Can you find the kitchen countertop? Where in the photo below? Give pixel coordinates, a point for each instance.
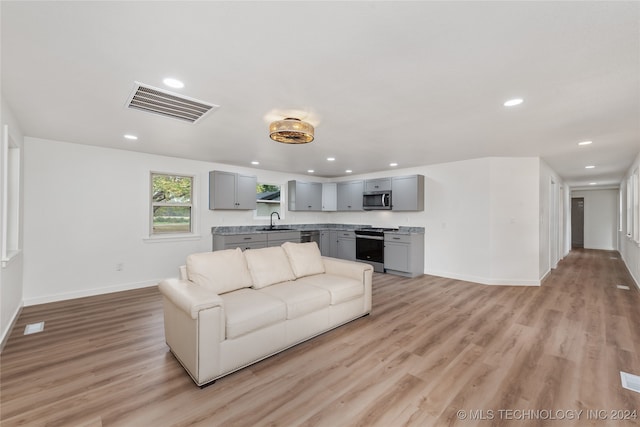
(251, 229)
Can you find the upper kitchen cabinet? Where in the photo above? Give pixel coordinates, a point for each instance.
(228, 190)
(329, 196)
(305, 196)
(350, 195)
(379, 184)
(407, 193)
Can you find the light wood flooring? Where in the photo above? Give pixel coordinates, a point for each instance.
(432, 347)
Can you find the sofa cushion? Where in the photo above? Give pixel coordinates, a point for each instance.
(341, 288)
(300, 298)
(219, 271)
(305, 258)
(247, 310)
(268, 266)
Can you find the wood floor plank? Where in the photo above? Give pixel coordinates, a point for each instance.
(432, 347)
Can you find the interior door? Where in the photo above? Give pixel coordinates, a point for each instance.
(577, 222)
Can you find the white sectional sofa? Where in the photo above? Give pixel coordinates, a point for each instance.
(232, 308)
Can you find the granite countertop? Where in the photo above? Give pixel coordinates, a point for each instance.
(252, 229)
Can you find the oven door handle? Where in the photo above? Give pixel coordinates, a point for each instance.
(359, 236)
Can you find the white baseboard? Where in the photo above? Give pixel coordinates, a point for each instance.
(484, 280)
(89, 292)
(9, 328)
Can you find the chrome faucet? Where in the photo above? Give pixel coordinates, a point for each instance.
(271, 219)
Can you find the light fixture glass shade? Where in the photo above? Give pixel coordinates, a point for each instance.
(291, 131)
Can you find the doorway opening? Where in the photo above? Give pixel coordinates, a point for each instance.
(577, 222)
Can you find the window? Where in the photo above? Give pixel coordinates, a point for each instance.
(10, 197)
(171, 204)
(268, 200)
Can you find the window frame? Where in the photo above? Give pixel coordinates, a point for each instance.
(191, 205)
(282, 201)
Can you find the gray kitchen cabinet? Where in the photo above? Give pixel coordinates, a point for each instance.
(325, 243)
(378, 184)
(346, 245)
(242, 241)
(305, 196)
(254, 240)
(329, 196)
(407, 193)
(279, 237)
(228, 190)
(404, 254)
(329, 243)
(350, 195)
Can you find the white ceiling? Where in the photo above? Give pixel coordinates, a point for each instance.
(415, 83)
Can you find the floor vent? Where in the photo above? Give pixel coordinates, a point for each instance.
(630, 382)
(625, 287)
(34, 328)
(158, 101)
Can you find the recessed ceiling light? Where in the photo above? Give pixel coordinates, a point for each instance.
(330, 159)
(589, 167)
(131, 137)
(513, 102)
(585, 142)
(310, 171)
(255, 162)
(592, 183)
(174, 83)
(393, 164)
(348, 171)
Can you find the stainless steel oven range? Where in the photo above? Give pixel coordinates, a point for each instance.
(370, 246)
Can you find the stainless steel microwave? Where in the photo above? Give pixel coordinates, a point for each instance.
(373, 200)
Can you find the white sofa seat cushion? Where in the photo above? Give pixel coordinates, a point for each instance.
(247, 310)
(305, 258)
(219, 271)
(341, 288)
(268, 266)
(300, 298)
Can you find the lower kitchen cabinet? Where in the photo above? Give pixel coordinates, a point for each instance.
(254, 240)
(404, 254)
(346, 243)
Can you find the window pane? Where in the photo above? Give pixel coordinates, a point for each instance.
(171, 219)
(268, 200)
(171, 189)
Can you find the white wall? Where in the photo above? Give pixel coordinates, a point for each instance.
(481, 219)
(629, 249)
(601, 209)
(86, 211)
(11, 273)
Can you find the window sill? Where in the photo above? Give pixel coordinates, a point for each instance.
(11, 255)
(172, 238)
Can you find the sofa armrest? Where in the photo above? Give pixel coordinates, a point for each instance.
(189, 297)
(360, 271)
(342, 267)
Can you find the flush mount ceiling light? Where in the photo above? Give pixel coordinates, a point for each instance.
(291, 131)
(585, 142)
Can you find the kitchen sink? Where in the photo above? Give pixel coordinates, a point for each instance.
(275, 229)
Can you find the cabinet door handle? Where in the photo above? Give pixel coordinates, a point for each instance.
(395, 238)
(247, 238)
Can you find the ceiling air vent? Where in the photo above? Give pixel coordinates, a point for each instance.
(168, 104)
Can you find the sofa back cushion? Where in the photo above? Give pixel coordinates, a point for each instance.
(305, 258)
(268, 266)
(219, 271)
